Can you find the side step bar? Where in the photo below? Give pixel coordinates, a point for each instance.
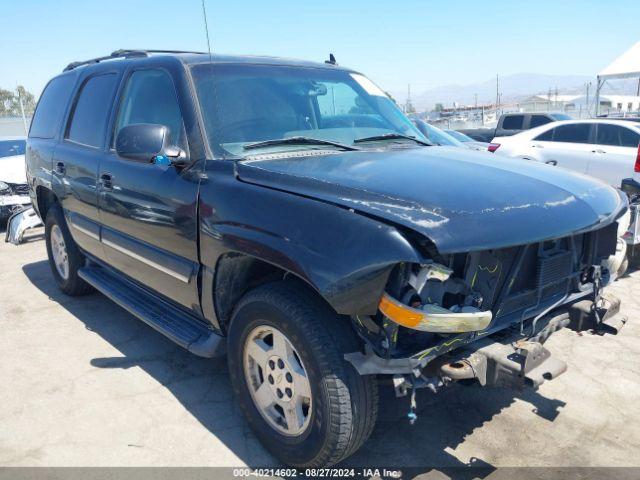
(179, 326)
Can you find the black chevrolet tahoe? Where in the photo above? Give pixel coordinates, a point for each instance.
(286, 214)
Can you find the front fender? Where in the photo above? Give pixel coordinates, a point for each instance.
(343, 255)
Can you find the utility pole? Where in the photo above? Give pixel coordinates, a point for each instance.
(24, 118)
(497, 92)
(588, 85)
(408, 107)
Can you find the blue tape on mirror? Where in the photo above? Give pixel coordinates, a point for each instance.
(161, 160)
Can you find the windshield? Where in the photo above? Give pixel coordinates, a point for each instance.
(245, 104)
(9, 148)
(560, 116)
(435, 135)
(460, 136)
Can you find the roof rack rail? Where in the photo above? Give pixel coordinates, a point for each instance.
(123, 53)
(126, 51)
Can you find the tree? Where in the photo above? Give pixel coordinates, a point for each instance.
(6, 101)
(10, 102)
(439, 107)
(28, 101)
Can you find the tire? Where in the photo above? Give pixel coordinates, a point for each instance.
(343, 404)
(68, 280)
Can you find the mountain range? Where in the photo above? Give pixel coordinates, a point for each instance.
(512, 88)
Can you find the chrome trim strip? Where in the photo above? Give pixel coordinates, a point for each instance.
(85, 231)
(145, 260)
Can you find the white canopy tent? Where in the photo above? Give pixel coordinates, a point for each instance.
(626, 65)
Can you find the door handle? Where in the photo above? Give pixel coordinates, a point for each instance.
(598, 151)
(60, 168)
(552, 162)
(106, 180)
(537, 146)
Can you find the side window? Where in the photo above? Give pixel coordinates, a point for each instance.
(513, 122)
(575, 133)
(546, 136)
(150, 97)
(608, 134)
(51, 107)
(537, 120)
(91, 112)
(629, 138)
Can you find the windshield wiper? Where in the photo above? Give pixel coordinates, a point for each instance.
(392, 136)
(298, 141)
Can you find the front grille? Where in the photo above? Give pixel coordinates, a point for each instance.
(517, 279)
(553, 268)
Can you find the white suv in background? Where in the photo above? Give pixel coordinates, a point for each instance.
(603, 148)
(14, 192)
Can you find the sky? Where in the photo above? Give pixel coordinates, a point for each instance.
(421, 42)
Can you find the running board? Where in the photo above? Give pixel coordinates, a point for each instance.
(179, 326)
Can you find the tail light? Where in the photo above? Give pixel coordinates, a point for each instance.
(494, 146)
(636, 167)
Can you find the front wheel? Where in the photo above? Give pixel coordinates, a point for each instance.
(305, 402)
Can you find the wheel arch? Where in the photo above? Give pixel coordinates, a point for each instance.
(238, 273)
(45, 198)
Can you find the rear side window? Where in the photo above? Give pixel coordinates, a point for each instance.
(513, 122)
(609, 135)
(91, 112)
(51, 107)
(629, 138)
(576, 133)
(538, 120)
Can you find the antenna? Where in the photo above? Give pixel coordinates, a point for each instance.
(206, 28)
(213, 84)
(332, 60)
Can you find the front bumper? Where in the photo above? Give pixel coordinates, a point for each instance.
(503, 358)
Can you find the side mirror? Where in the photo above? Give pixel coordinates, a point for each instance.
(149, 143)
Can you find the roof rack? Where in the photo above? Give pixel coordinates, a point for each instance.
(124, 53)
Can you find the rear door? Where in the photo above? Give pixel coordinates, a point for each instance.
(148, 211)
(566, 146)
(614, 153)
(76, 159)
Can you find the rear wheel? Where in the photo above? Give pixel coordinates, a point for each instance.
(64, 255)
(305, 402)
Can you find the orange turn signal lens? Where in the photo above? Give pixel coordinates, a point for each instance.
(399, 312)
(434, 318)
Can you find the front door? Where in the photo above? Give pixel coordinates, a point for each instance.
(148, 211)
(566, 146)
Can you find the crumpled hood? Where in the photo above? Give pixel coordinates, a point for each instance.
(12, 169)
(462, 200)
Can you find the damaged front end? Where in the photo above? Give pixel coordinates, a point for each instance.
(483, 317)
(13, 197)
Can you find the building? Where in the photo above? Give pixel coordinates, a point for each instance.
(576, 104)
